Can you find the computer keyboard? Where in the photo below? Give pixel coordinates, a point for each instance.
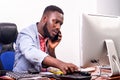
(18, 75)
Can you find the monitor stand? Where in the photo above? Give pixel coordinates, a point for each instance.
(113, 57)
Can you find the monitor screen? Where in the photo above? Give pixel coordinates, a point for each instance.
(94, 30)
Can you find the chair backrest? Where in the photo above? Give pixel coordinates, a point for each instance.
(8, 35)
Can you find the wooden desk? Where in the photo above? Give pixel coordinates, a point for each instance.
(102, 77)
(106, 78)
(9, 78)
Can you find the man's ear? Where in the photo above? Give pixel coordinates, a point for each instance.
(44, 19)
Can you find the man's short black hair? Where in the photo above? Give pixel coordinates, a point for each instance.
(53, 8)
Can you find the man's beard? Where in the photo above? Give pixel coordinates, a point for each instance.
(46, 33)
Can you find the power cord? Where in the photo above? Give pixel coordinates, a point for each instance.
(100, 71)
(98, 64)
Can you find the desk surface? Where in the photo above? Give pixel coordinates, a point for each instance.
(94, 77)
(42, 78)
(97, 78)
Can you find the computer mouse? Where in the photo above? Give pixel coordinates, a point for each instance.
(79, 73)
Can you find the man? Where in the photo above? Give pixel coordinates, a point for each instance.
(35, 45)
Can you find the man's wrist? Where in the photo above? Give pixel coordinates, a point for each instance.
(52, 52)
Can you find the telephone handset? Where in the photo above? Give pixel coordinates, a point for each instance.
(56, 36)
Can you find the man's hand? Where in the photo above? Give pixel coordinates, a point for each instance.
(67, 67)
(53, 44)
(63, 66)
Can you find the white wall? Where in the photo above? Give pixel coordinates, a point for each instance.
(108, 7)
(26, 12)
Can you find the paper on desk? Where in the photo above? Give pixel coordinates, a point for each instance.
(49, 73)
(88, 69)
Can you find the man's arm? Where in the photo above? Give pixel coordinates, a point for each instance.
(52, 52)
(63, 66)
(52, 61)
(53, 44)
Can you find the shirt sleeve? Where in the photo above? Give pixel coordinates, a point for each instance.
(28, 46)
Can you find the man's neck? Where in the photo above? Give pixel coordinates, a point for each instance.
(40, 29)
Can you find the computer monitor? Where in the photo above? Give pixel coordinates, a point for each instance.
(99, 40)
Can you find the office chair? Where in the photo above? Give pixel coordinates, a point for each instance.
(8, 35)
(7, 59)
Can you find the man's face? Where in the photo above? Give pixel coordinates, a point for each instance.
(53, 24)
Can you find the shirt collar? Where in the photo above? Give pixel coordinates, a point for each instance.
(42, 36)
